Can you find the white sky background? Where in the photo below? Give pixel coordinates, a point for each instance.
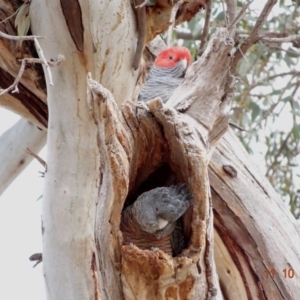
(20, 225)
(20, 230)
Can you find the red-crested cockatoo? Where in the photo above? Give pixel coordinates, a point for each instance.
(166, 74)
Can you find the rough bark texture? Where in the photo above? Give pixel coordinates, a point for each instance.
(122, 148)
(185, 143)
(173, 138)
(70, 200)
(30, 101)
(255, 226)
(101, 157)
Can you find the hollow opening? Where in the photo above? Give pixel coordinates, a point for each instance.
(152, 217)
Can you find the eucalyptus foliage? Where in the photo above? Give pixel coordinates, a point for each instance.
(266, 100)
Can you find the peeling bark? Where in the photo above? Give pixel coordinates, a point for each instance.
(33, 81)
(169, 137)
(72, 13)
(73, 183)
(253, 223)
(102, 155)
(185, 141)
(191, 165)
(30, 102)
(24, 103)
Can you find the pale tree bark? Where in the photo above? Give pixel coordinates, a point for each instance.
(14, 157)
(260, 234)
(71, 196)
(100, 153)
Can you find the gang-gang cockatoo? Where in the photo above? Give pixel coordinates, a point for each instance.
(152, 221)
(166, 74)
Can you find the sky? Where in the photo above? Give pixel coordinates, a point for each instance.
(20, 230)
(20, 226)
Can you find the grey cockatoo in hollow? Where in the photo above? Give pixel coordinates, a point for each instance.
(152, 220)
(166, 74)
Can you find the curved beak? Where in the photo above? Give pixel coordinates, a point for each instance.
(183, 66)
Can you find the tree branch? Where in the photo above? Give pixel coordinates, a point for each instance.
(20, 38)
(254, 35)
(205, 31)
(24, 61)
(253, 204)
(260, 22)
(231, 11)
(187, 35)
(172, 21)
(39, 159)
(13, 144)
(12, 15)
(239, 16)
(141, 24)
(288, 39)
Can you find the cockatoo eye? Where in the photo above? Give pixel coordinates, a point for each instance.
(170, 57)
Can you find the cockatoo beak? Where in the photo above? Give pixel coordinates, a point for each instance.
(162, 223)
(183, 63)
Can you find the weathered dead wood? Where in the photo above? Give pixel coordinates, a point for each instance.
(123, 142)
(135, 143)
(205, 81)
(186, 146)
(258, 231)
(113, 143)
(181, 276)
(33, 86)
(30, 102)
(127, 147)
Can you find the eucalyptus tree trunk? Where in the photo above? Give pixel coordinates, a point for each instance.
(102, 146)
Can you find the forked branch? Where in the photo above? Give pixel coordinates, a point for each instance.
(14, 87)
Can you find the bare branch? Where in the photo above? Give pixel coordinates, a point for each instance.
(254, 35)
(261, 20)
(140, 5)
(14, 86)
(275, 47)
(239, 16)
(231, 10)
(187, 35)
(205, 29)
(269, 78)
(39, 159)
(38, 257)
(234, 125)
(41, 55)
(24, 61)
(6, 19)
(288, 39)
(172, 21)
(20, 38)
(141, 22)
(224, 10)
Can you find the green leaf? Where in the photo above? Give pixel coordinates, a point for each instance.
(22, 21)
(39, 198)
(220, 16)
(288, 60)
(255, 110)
